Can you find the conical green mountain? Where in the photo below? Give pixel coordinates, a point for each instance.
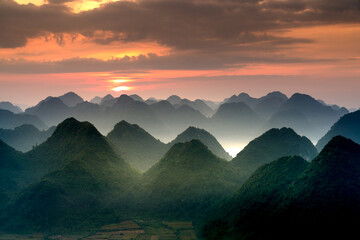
(136, 146)
(272, 145)
(78, 175)
(348, 126)
(327, 193)
(205, 137)
(322, 201)
(256, 197)
(188, 180)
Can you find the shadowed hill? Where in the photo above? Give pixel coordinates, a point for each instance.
(136, 146)
(78, 175)
(188, 180)
(348, 126)
(323, 200)
(272, 145)
(205, 137)
(25, 137)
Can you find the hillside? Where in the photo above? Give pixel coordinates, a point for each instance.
(25, 137)
(348, 126)
(205, 137)
(78, 175)
(136, 146)
(195, 180)
(272, 145)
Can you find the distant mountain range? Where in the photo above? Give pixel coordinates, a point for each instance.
(25, 137)
(10, 107)
(239, 118)
(10, 120)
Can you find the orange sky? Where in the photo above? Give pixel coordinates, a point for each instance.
(320, 57)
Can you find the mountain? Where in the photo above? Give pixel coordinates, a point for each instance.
(25, 137)
(136, 112)
(234, 218)
(96, 100)
(136, 146)
(77, 174)
(9, 120)
(71, 99)
(323, 200)
(197, 105)
(244, 98)
(270, 104)
(177, 119)
(136, 97)
(10, 107)
(272, 145)
(173, 99)
(315, 114)
(9, 173)
(205, 137)
(235, 120)
(108, 100)
(187, 181)
(52, 110)
(151, 100)
(348, 126)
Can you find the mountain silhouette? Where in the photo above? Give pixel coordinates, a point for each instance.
(52, 110)
(348, 126)
(272, 145)
(10, 172)
(173, 99)
(205, 137)
(317, 115)
(270, 104)
(197, 105)
(10, 107)
(323, 200)
(136, 146)
(77, 173)
(9, 120)
(25, 137)
(188, 180)
(240, 217)
(71, 99)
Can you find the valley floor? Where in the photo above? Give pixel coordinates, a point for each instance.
(130, 229)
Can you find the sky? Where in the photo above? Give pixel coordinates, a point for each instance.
(207, 49)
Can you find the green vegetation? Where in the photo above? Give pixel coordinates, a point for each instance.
(205, 137)
(188, 180)
(76, 174)
(25, 137)
(272, 145)
(289, 198)
(348, 126)
(136, 146)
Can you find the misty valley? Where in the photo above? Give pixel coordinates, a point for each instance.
(129, 168)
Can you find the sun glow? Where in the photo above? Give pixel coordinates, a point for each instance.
(121, 88)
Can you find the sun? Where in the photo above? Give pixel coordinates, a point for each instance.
(121, 88)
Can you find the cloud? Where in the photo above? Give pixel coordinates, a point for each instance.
(142, 63)
(180, 24)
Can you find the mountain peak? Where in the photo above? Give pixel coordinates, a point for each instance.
(71, 99)
(338, 151)
(73, 127)
(174, 99)
(205, 137)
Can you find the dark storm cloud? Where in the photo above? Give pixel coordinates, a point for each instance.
(181, 24)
